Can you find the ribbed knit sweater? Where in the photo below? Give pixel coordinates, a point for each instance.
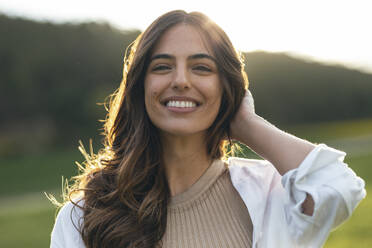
(210, 213)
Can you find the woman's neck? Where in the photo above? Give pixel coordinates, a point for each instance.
(185, 160)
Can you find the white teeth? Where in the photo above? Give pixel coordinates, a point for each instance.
(181, 104)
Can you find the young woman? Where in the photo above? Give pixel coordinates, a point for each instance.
(163, 180)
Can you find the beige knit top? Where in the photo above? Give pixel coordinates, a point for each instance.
(210, 213)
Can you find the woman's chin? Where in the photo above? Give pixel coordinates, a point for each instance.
(182, 132)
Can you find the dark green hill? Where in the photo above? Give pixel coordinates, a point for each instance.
(289, 90)
(52, 76)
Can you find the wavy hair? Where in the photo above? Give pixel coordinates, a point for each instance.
(124, 189)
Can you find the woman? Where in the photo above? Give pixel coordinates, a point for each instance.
(162, 181)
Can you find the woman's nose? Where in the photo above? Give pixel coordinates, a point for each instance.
(181, 79)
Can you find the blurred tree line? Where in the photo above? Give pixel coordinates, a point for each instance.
(53, 75)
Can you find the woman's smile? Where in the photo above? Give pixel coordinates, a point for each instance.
(181, 107)
(181, 104)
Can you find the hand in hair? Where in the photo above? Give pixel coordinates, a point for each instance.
(245, 113)
(283, 150)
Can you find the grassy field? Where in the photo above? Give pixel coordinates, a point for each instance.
(26, 216)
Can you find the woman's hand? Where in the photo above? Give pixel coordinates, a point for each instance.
(245, 113)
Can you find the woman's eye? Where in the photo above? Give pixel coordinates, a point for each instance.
(161, 68)
(202, 68)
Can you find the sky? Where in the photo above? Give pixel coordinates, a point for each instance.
(335, 32)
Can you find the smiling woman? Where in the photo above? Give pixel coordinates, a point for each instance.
(163, 179)
(182, 86)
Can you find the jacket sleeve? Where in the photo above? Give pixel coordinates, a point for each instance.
(66, 228)
(334, 187)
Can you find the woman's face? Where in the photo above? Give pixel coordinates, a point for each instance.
(182, 85)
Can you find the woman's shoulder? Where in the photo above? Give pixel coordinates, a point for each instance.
(67, 226)
(252, 170)
(72, 209)
(250, 166)
(247, 162)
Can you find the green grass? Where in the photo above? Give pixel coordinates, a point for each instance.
(26, 224)
(325, 131)
(36, 172)
(26, 216)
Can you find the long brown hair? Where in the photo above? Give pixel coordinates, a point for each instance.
(124, 188)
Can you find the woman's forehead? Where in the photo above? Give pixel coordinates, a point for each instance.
(182, 39)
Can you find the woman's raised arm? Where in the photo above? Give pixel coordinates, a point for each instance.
(321, 190)
(282, 149)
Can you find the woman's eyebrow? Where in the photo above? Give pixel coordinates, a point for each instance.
(202, 56)
(162, 56)
(194, 56)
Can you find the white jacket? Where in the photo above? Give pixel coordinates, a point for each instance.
(273, 201)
